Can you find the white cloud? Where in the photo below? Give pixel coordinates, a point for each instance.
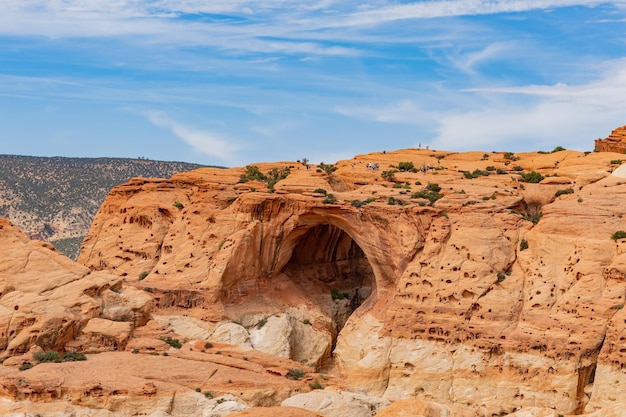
(208, 143)
(570, 115)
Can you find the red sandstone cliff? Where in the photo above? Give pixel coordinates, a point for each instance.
(616, 142)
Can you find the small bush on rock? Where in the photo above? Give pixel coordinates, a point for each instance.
(296, 373)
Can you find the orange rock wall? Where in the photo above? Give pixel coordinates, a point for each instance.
(461, 312)
(616, 142)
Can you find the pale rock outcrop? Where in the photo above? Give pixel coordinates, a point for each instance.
(416, 408)
(276, 412)
(272, 335)
(332, 403)
(187, 327)
(232, 334)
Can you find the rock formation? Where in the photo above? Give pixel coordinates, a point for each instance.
(616, 142)
(463, 288)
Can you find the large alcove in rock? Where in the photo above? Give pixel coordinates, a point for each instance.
(332, 268)
(321, 278)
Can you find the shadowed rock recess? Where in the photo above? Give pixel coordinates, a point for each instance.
(487, 285)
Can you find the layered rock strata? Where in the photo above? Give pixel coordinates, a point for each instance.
(615, 142)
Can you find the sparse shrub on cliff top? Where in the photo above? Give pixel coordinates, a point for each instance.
(532, 177)
(25, 366)
(407, 167)
(330, 199)
(361, 203)
(316, 385)
(296, 373)
(49, 356)
(564, 191)
(175, 343)
(510, 156)
(327, 168)
(434, 187)
(261, 323)
(616, 162)
(620, 234)
(388, 175)
(523, 245)
(73, 357)
(252, 173)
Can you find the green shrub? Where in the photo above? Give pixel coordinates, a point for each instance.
(558, 149)
(501, 277)
(296, 373)
(143, 275)
(175, 343)
(320, 191)
(49, 356)
(306, 321)
(485, 157)
(564, 191)
(330, 199)
(316, 385)
(252, 173)
(208, 394)
(73, 357)
(407, 167)
(510, 156)
(517, 168)
(335, 294)
(261, 323)
(25, 366)
(329, 169)
(208, 345)
(178, 205)
(490, 168)
(360, 203)
(428, 195)
(388, 175)
(396, 201)
(616, 162)
(434, 187)
(620, 234)
(532, 177)
(523, 245)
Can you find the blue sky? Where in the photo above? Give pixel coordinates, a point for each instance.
(231, 82)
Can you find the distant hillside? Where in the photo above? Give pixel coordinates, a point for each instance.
(55, 199)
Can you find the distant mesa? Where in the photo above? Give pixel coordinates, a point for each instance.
(616, 142)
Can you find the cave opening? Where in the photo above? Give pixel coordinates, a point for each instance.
(331, 270)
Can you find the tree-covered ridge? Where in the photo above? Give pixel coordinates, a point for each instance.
(55, 198)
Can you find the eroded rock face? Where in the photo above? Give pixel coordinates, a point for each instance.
(49, 301)
(465, 302)
(499, 296)
(615, 142)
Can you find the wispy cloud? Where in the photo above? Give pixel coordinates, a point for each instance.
(449, 8)
(208, 143)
